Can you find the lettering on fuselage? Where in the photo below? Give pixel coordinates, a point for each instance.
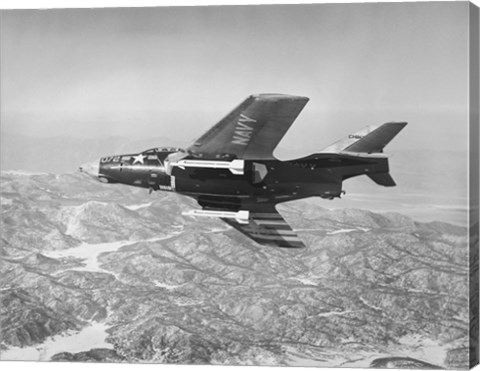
(355, 136)
(165, 188)
(305, 165)
(104, 160)
(243, 131)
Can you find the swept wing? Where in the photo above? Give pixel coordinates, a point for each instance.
(252, 130)
(267, 227)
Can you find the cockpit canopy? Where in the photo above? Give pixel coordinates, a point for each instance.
(162, 149)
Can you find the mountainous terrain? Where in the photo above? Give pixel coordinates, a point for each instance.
(151, 285)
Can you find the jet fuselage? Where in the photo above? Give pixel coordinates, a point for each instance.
(262, 181)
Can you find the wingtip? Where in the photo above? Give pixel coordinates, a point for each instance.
(397, 123)
(278, 96)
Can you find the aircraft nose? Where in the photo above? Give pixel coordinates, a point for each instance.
(90, 168)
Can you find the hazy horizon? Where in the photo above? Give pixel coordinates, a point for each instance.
(142, 72)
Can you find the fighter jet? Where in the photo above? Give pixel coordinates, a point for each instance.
(232, 173)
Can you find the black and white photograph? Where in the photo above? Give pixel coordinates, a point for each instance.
(253, 185)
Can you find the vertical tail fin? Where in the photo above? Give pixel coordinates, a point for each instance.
(371, 139)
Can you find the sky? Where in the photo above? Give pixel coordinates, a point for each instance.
(174, 72)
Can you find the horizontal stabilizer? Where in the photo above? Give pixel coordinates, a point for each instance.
(384, 179)
(371, 139)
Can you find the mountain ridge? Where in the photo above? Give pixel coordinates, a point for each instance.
(174, 289)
